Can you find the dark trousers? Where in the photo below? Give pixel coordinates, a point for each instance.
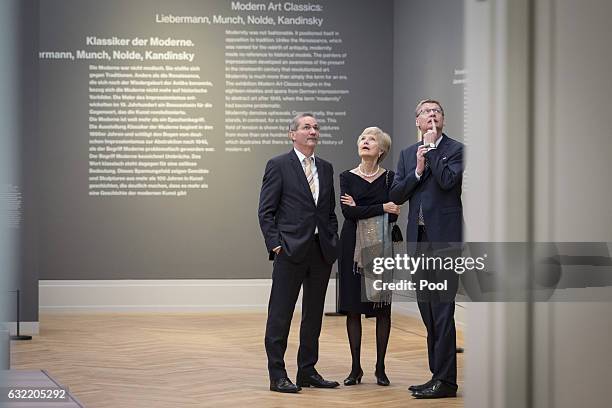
(438, 314)
(287, 277)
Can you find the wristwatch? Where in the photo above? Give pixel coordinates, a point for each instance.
(431, 145)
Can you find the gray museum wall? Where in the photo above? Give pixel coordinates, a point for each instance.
(397, 58)
(211, 233)
(428, 63)
(19, 158)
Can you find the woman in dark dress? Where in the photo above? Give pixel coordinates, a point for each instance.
(364, 193)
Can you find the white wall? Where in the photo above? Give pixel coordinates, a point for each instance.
(548, 354)
(574, 194)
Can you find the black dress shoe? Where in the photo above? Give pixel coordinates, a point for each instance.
(421, 387)
(284, 385)
(353, 379)
(315, 380)
(437, 390)
(382, 379)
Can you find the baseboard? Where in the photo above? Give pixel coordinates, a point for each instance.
(179, 295)
(172, 295)
(25, 328)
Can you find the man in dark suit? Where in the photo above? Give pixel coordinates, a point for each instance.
(298, 221)
(429, 175)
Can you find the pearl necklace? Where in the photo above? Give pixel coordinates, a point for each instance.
(368, 175)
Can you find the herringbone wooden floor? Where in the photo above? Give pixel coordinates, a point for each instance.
(214, 360)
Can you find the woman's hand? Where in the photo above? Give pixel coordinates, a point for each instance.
(391, 208)
(347, 200)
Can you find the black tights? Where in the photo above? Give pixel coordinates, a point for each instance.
(383, 328)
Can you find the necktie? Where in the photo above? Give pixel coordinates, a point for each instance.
(309, 175)
(421, 220)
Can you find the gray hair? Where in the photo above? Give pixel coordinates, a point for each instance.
(383, 139)
(295, 122)
(424, 101)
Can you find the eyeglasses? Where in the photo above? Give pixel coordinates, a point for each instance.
(428, 111)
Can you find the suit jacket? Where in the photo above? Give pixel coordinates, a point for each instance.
(287, 211)
(438, 191)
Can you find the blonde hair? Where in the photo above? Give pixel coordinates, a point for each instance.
(383, 139)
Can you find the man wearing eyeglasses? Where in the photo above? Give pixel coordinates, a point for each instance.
(429, 176)
(297, 218)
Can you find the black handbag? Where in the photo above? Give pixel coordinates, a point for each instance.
(396, 232)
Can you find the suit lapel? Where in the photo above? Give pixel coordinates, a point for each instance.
(442, 152)
(299, 172)
(322, 172)
(443, 145)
